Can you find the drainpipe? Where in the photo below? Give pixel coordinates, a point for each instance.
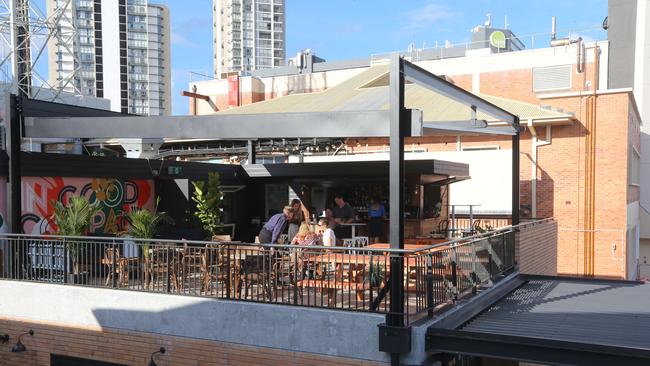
(536, 142)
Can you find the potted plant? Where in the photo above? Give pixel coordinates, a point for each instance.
(144, 224)
(207, 198)
(74, 220)
(375, 274)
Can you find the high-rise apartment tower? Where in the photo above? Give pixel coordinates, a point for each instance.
(120, 51)
(248, 35)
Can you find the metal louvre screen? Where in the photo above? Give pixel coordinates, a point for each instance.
(552, 78)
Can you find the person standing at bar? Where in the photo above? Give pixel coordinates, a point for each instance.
(376, 214)
(275, 226)
(300, 215)
(343, 214)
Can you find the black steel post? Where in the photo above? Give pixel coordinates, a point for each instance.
(15, 137)
(251, 152)
(429, 291)
(515, 175)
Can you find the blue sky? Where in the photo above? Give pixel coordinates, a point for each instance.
(343, 29)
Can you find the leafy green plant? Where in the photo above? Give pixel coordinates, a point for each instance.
(208, 199)
(144, 224)
(376, 273)
(73, 220)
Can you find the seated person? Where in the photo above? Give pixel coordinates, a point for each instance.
(305, 236)
(328, 238)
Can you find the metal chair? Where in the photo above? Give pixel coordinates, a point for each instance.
(361, 241)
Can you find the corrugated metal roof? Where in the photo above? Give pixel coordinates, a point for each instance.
(367, 91)
(594, 312)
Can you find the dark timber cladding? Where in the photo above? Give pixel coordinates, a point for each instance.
(558, 321)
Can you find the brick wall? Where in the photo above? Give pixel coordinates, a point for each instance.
(536, 249)
(134, 348)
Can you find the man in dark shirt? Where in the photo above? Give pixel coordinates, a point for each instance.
(343, 214)
(275, 226)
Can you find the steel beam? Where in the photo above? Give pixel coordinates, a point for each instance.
(432, 82)
(342, 124)
(464, 127)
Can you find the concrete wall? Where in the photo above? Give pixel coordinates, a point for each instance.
(621, 35)
(319, 331)
(644, 259)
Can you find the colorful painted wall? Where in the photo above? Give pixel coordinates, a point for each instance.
(112, 197)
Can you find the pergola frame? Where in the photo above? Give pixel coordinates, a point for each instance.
(396, 123)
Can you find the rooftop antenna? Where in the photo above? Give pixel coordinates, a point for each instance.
(505, 22)
(488, 22)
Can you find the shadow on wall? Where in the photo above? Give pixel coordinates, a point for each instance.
(545, 193)
(294, 329)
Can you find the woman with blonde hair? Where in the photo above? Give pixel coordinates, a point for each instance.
(304, 236)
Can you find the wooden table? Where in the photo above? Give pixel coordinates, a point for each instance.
(425, 241)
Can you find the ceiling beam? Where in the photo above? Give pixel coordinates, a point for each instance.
(340, 124)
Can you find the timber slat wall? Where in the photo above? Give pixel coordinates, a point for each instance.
(134, 348)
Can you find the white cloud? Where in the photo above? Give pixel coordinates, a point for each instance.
(427, 16)
(178, 39)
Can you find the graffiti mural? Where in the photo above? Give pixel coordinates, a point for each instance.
(111, 197)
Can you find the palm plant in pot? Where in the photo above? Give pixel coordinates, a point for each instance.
(143, 225)
(74, 220)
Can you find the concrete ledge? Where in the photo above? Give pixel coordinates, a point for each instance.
(301, 329)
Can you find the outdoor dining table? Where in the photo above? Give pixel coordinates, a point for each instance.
(356, 270)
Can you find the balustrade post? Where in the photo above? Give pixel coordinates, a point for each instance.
(114, 266)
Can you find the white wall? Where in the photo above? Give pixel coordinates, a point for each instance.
(111, 53)
(642, 97)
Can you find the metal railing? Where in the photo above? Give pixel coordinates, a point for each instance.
(446, 49)
(346, 278)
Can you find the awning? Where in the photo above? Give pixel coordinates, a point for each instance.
(552, 320)
(442, 170)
